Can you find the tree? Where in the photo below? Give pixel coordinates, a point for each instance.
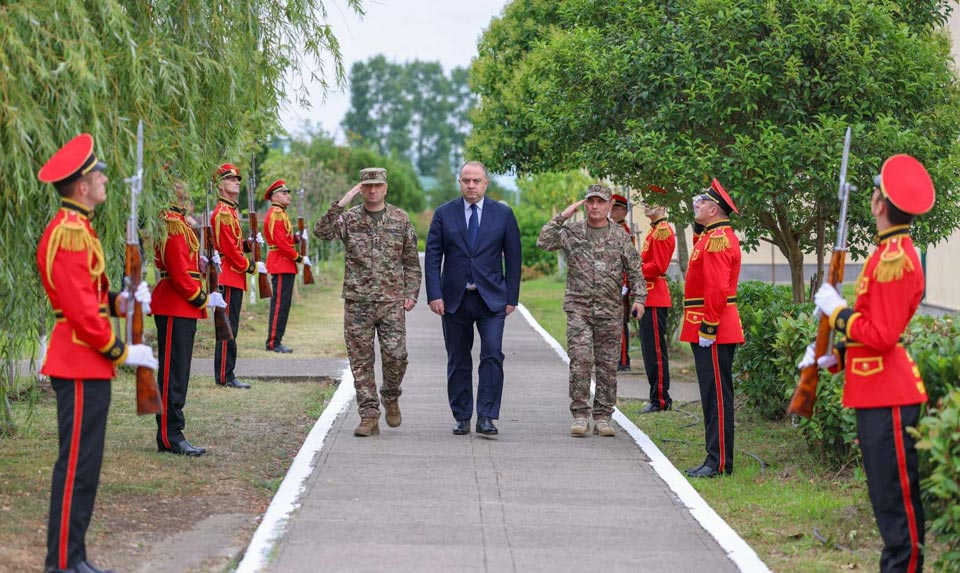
(205, 77)
(756, 93)
(412, 110)
(330, 170)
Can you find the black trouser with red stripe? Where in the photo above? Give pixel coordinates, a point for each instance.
(175, 352)
(82, 407)
(625, 341)
(653, 343)
(279, 307)
(225, 353)
(715, 375)
(890, 462)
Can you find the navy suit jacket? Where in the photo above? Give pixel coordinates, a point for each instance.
(495, 263)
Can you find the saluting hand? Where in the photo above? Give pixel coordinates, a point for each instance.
(350, 195)
(569, 211)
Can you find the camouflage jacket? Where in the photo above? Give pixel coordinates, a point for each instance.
(381, 261)
(595, 269)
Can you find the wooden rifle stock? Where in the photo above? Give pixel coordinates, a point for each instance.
(220, 322)
(148, 395)
(805, 394)
(302, 249)
(263, 281)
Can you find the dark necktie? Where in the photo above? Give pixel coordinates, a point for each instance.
(473, 228)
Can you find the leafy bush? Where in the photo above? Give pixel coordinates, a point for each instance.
(934, 344)
(939, 443)
(530, 220)
(762, 374)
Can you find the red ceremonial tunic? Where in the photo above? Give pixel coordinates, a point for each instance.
(228, 240)
(710, 294)
(879, 371)
(656, 253)
(282, 255)
(179, 291)
(71, 265)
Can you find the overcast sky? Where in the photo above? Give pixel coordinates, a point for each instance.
(403, 30)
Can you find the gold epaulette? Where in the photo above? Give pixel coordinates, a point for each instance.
(228, 218)
(718, 241)
(73, 236)
(662, 232)
(177, 226)
(893, 262)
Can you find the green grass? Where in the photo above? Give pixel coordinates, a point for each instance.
(544, 298)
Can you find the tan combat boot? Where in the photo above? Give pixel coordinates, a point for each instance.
(368, 427)
(392, 411)
(580, 427)
(603, 428)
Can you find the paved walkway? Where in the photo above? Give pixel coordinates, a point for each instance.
(417, 498)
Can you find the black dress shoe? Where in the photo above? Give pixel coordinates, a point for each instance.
(653, 407)
(280, 349)
(623, 368)
(87, 567)
(703, 471)
(182, 448)
(462, 428)
(485, 426)
(236, 384)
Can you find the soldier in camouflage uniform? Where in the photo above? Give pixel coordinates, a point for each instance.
(598, 253)
(381, 282)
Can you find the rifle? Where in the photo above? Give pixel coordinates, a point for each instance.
(220, 322)
(148, 395)
(263, 281)
(805, 395)
(302, 247)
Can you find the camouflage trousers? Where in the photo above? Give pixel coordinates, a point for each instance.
(593, 344)
(361, 320)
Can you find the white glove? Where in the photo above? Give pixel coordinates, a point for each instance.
(827, 362)
(216, 258)
(304, 238)
(143, 296)
(215, 300)
(828, 300)
(141, 355)
(808, 358)
(260, 238)
(707, 342)
(624, 290)
(306, 261)
(204, 262)
(262, 268)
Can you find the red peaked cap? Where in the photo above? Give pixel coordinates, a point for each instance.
(619, 200)
(228, 170)
(72, 161)
(904, 181)
(275, 186)
(720, 195)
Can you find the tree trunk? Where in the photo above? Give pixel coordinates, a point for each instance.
(683, 251)
(795, 258)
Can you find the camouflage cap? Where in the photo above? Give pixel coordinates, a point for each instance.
(598, 191)
(373, 176)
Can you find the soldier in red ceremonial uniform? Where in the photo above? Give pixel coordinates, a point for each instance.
(83, 350)
(618, 214)
(881, 381)
(656, 253)
(711, 323)
(228, 240)
(179, 299)
(282, 259)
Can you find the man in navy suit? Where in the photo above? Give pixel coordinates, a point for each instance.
(472, 269)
